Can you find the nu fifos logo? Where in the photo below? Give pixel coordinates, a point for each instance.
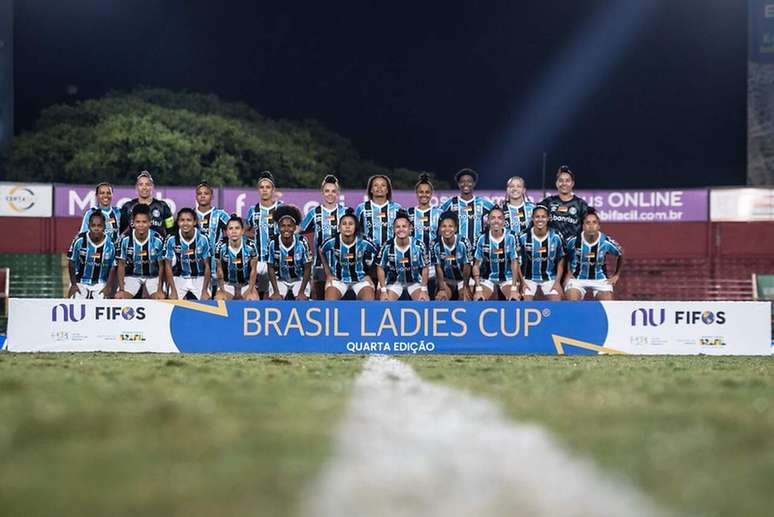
(657, 317)
(73, 312)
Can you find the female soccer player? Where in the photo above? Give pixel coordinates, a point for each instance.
(212, 224)
(141, 259)
(542, 253)
(586, 254)
(565, 209)
(375, 217)
(517, 210)
(402, 264)
(161, 218)
(323, 221)
(470, 208)
(262, 226)
(91, 258)
(236, 258)
(346, 259)
(187, 259)
(452, 256)
(424, 217)
(496, 261)
(111, 213)
(290, 261)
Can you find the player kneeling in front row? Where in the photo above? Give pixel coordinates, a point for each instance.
(236, 261)
(91, 258)
(586, 254)
(542, 253)
(402, 264)
(452, 256)
(290, 261)
(187, 259)
(346, 260)
(496, 261)
(141, 259)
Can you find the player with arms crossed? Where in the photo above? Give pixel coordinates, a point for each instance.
(496, 259)
(161, 218)
(517, 210)
(470, 209)
(112, 214)
(346, 259)
(586, 254)
(212, 224)
(236, 261)
(323, 222)
(565, 209)
(375, 217)
(452, 256)
(141, 259)
(262, 226)
(290, 261)
(402, 264)
(91, 258)
(187, 259)
(542, 253)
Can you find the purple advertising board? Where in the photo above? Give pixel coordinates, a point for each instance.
(629, 206)
(652, 206)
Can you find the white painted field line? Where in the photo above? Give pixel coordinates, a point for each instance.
(410, 448)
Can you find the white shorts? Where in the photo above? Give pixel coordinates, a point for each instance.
(189, 285)
(531, 287)
(356, 287)
(89, 292)
(229, 288)
(133, 284)
(490, 284)
(398, 288)
(294, 287)
(596, 286)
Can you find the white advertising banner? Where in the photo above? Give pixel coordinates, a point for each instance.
(742, 204)
(26, 200)
(562, 328)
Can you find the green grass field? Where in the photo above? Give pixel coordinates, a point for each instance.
(109, 434)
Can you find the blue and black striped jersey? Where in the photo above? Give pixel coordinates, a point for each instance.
(112, 219)
(261, 218)
(452, 259)
(470, 214)
(187, 258)
(289, 262)
(323, 222)
(141, 257)
(540, 257)
(517, 218)
(496, 256)
(402, 265)
(349, 263)
(212, 224)
(376, 221)
(587, 259)
(425, 224)
(236, 262)
(92, 261)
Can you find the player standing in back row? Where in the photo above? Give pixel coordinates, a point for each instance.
(161, 218)
(376, 216)
(566, 210)
(262, 227)
(470, 209)
(212, 223)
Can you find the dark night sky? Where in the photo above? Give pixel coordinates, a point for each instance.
(428, 85)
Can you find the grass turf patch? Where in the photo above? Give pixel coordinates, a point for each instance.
(696, 433)
(124, 434)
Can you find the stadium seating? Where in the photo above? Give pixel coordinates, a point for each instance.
(34, 275)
